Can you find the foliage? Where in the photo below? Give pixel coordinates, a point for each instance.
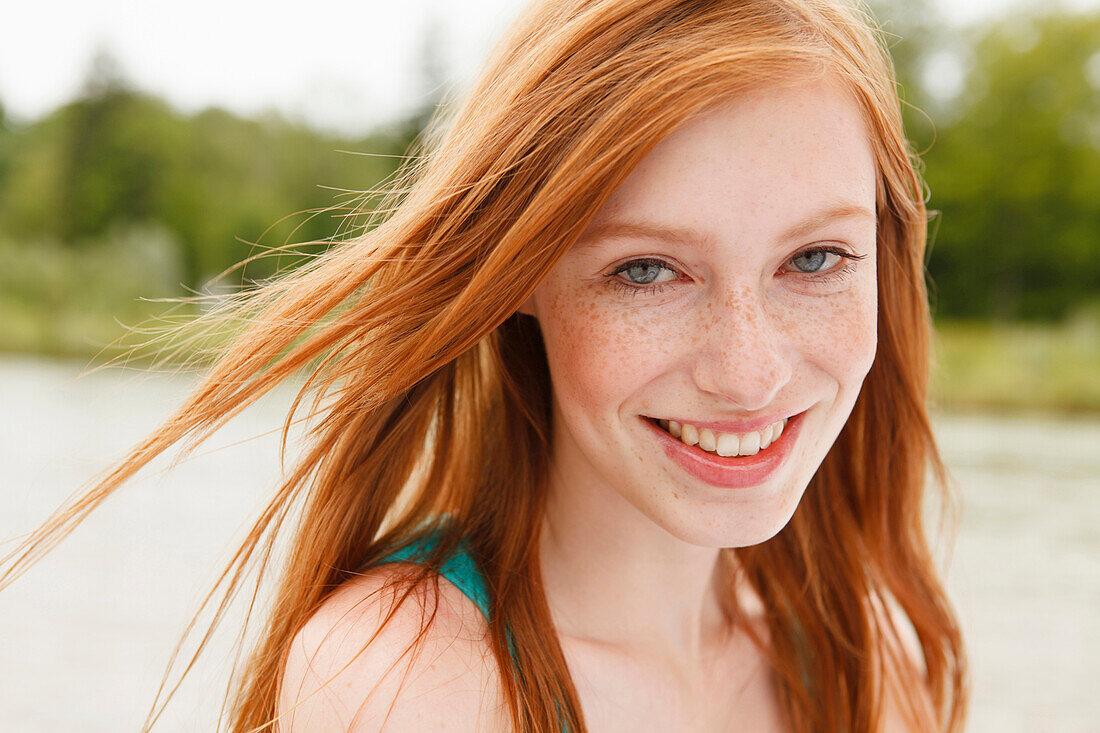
(1012, 162)
(1016, 173)
(220, 184)
(60, 299)
(915, 31)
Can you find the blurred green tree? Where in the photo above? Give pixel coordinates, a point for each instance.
(916, 32)
(1017, 172)
(6, 142)
(1014, 169)
(118, 143)
(222, 185)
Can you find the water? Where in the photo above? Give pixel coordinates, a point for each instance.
(85, 636)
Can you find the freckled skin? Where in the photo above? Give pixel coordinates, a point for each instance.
(740, 331)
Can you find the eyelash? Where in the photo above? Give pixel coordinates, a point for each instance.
(843, 271)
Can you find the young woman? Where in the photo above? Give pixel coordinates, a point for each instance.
(619, 418)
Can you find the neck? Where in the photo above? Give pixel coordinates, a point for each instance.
(613, 576)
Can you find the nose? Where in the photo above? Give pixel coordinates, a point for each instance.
(744, 359)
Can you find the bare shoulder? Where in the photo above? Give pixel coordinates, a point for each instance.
(429, 667)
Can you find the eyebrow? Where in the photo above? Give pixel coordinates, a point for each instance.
(619, 228)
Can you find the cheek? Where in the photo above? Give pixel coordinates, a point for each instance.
(843, 336)
(598, 354)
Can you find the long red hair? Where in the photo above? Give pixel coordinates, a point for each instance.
(427, 395)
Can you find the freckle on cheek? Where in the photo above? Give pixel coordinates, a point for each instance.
(591, 343)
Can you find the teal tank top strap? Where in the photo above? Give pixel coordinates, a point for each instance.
(460, 568)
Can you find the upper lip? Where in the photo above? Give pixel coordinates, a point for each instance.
(730, 426)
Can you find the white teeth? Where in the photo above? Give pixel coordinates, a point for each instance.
(750, 444)
(707, 441)
(728, 444)
(725, 444)
(772, 436)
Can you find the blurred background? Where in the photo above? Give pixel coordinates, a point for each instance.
(146, 148)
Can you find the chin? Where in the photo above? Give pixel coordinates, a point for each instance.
(731, 526)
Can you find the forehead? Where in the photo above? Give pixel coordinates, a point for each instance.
(754, 165)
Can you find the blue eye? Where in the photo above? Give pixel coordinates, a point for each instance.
(645, 275)
(814, 258)
(810, 263)
(650, 276)
(645, 272)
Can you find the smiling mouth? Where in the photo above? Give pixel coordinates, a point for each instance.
(726, 445)
(749, 466)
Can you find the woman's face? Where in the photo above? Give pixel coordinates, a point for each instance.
(718, 289)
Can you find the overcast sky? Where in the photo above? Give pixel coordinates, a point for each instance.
(337, 64)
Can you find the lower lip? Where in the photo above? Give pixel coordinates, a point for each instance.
(735, 472)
